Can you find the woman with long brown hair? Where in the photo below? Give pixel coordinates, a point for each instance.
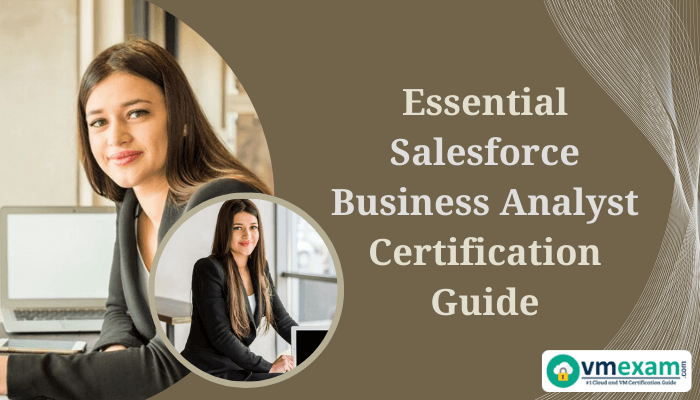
(232, 291)
(146, 144)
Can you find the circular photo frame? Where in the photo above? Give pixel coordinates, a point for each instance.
(297, 240)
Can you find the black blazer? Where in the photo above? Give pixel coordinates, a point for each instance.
(147, 367)
(212, 346)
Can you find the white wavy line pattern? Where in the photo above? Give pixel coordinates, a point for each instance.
(642, 54)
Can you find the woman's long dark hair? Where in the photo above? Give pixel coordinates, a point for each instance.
(221, 249)
(195, 154)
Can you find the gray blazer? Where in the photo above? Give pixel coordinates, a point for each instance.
(146, 367)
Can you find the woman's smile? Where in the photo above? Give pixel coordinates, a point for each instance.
(125, 157)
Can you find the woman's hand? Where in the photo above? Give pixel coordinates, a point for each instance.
(114, 347)
(282, 364)
(3, 375)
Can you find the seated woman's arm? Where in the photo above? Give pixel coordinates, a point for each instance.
(135, 373)
(283, 323)
(118, 327)
(139, 372)
(209, 297)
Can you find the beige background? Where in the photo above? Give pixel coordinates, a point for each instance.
(327, 84)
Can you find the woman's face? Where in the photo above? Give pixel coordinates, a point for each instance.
(128, 129)
(245, 234)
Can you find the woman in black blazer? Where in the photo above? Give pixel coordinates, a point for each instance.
(231, 291)
(144, 143)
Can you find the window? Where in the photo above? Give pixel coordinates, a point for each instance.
(306, 278)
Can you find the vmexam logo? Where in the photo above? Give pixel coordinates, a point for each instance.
(563, 370)
(617, 370)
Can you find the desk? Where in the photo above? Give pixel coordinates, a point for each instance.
(173, 312)
(89, 338)
(170, 311)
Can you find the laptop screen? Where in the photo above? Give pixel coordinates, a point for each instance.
(307, 341)
(59, 256)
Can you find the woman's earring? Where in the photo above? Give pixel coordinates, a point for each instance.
(184, 130)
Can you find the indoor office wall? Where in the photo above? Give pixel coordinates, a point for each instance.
(38, 77)
(205, 71)
(192, 241)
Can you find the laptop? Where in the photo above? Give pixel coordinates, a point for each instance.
(54, 267)
(305, 340)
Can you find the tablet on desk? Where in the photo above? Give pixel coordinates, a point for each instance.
(41, 346)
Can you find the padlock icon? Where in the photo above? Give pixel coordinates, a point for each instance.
(563, 375)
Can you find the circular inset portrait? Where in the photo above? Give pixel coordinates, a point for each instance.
(246, 290)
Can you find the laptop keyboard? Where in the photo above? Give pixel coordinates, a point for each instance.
(59, 314)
